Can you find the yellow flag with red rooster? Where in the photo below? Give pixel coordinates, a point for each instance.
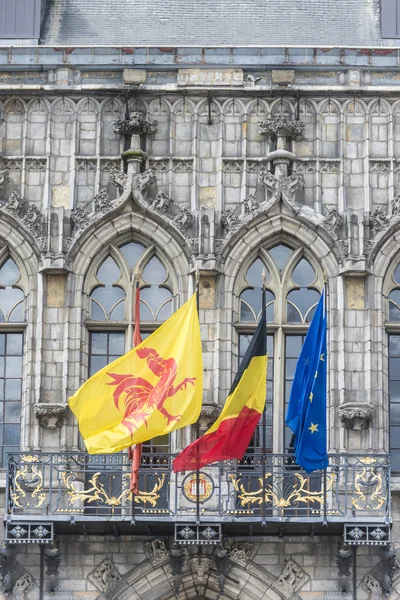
(153, 389)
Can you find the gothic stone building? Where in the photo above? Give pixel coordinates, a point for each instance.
(162, 139)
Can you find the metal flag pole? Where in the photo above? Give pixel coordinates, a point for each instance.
(264, 416)
(198, 420)
(135, 339)
(325, 518)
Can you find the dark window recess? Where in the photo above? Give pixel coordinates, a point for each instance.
(390, 18)
(20, 18)
(394, 401)
(11, 345)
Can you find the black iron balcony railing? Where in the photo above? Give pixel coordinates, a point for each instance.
(62, 486)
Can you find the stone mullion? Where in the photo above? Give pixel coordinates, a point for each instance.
(337, 337)
(278, 392)
(391, 159)
(342, 126)
(24, 143)
(244, 154)
(38, 361)
(196, 140)
(366, 158)
(317, 147)
(98, 155)
(46, 190)
(219, 163)
(72, 173)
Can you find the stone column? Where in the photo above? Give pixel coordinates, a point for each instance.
(134, 125)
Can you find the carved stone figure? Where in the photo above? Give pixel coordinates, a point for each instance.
(292, 577)
(51, 416)
(102, 202)
(23, 584)
(241, 552)
(344, 559)
(333, 222)
(250, 206)
(372, 586)
(161, 203)
(33, 220)
(356, 417)
(176, 563)
(230, 220)
(106, 578)
(183, 220)
(118, 178)
(379, 221)
(79, 219)
(268, 180)
(156, 551)
(4, 176)
(52, 559)
(290, 184)
(16, 205)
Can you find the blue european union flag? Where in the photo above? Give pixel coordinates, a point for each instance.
(306, 413)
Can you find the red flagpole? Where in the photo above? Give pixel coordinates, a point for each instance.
(135, 452)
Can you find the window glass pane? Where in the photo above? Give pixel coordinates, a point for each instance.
(108, 296)
(394, 368)
(254, 273)
(293, 345)
(154, 272)
(9, 273)
(11, 435)
(117, 313)
(394, 345)
(14, 366)
(13, 412)
(394, 401)
(9, 299)
(105, 348)
(280, 255)
(165, 312)
(154, 297)
(132, 252)
(3, 343)
(303, 300)
(108, 272)
(13, 389)
(303, 274)
(14, 344)
(394, 311)
(2, 366)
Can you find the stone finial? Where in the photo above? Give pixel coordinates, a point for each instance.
(281, 126)
(133, 124)
(356, 416)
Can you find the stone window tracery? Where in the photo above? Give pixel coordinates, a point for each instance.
(393, 329)
(293, 288)
(111, 304)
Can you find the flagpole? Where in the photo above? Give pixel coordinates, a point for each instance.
(135, 454)
(264, 416)
(325, 518)
(198, 420)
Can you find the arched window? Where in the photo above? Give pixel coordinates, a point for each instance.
(393, 327)
(293, 291)
(111, 317)
(11, 353)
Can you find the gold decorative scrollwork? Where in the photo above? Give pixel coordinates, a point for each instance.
(98, 493)
(372, 498)
(271, 491)
(368, 460)
(28, 476)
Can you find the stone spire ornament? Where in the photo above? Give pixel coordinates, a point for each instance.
(134, 124)
(283, 130)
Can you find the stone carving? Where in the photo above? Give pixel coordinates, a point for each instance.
(52, 559)
(333, 222)
(8, 571)
(51, 416)
(176, 563)
(344, 248)
(379, 222)
(233, 166)
(36, 165)
(161, 166)
(161, 203)
(250, 206)
(28, 214)
(183, 220)
(356, 417)
(223, 564)
(230, 220)
(183, 166)
(4, 176)
(395, 206)
(281, 126)
(106, 578)
(292, 577)
(386, 570)
(143, 180)
(344, 559)
(372, 587)
(200, 566)
(380, 167)
(21, 587)
(118, 178)
(241, 552)
(156, 551)
(79, 219)
(270, 181)
(134, 123)
(290, 184)
(102, 202)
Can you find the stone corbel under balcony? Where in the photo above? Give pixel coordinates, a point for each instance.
(51, 416)
(356, 416)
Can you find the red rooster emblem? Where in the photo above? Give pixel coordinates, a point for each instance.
(141, 398)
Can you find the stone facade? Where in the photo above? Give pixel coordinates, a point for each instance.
(208, 167)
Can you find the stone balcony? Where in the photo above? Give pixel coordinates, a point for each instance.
(76, 492)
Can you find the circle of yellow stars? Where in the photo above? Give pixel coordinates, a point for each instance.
(314, 427)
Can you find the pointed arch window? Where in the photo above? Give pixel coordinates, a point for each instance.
(12, 317)
(294, 286)
(111, 294)
(393, 329)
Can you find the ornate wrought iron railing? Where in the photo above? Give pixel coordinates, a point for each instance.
(62, 486)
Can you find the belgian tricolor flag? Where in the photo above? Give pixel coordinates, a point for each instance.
(231, 433)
